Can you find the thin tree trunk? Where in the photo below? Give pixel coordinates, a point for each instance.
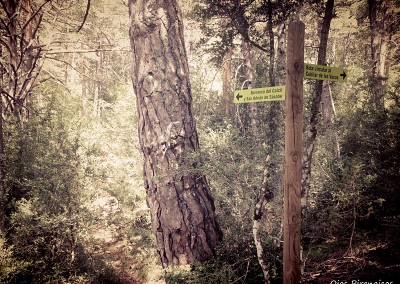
(329, 116)
(280, 80)
(326, 105)
(181, 207)
(271, 46)
(281, 56)
(97, 87)
(315, 107)
(265, 195)
(266, 191)
(378, 18)
(248, 71)
(273, 168)
(22, 58)
(84, 86)
(2, 156)
(226, 81)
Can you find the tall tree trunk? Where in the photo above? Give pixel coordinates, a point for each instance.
(265, 195)
(271, 46)
(273, 176)
(2, 155)
(181, 208)
(248, 71)
(281, 56)
(12, 43)
(327, 107)
(378, 20)
(280, 80)
(315, 106)
(226, 80)
(84, 85)
(97, 86)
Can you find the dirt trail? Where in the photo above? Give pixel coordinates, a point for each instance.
(111, 243)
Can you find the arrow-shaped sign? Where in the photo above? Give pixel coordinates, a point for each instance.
(321, 72)
(343, 75)
(238, 96)
(256, 95)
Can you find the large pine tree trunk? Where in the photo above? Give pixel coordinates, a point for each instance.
(181, 208)
(2, 157)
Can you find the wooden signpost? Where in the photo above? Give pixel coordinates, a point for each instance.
(293, 153)
(296, 71)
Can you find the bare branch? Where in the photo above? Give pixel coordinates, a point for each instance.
(70, 65)
(5, 8)
(84, 17)
(35, 30)
(6, 45)
(34, 15)
(253, 43)
(64, 51)
(29, 80)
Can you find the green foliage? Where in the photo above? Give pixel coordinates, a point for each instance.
(231, 264)
(43, 189)
(234, 162)
(9, 265)
(354, 196)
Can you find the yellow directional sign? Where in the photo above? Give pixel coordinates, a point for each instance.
(320, 72)
(256, 95)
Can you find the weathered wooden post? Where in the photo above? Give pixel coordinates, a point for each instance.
(293, 152)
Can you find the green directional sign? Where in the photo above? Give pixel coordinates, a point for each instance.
(256, 95)
(320, 72)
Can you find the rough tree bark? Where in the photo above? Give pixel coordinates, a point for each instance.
(181, 208)
(2, 155)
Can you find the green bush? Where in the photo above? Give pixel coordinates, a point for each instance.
(9, 265)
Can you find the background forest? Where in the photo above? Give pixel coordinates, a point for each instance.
(72, 200)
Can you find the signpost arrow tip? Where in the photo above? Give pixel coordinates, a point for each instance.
(343, 75)
(238, 96)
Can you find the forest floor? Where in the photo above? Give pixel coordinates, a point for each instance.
(122, 254)
(379, 264)
(115, 247)
(352, 270)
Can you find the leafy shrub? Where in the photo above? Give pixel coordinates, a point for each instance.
(9, 265)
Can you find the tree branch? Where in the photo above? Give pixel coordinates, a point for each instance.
(5, 8)
(64, 51)
(84, 17)
(34, 15)
(253, 43)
